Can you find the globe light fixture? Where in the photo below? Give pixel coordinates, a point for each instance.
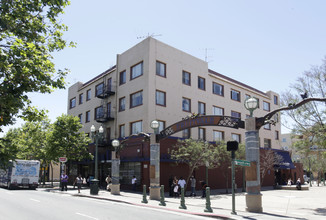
(155, 124)
(115, 143)
(251, 104)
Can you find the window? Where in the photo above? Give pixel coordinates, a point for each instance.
(99, 89)
(201, 108)
(162, 126)
(160, 98)
(236, 137)
(81, 98)
(201, 83)
(186, 78)
(108, 133)
(201, 134)
(136, 127)
(277, 137)
(186, 133)
(218, 111)
(136, 99)
(136, 71)
(275, 100)
(235, 95)
(122, 104)
(218, 89)
(258, 106)
(88, 95)
(235, 114)
(98, 113)
(88, 116)
(284, 140)
(266, 106)
(72, 103)
(109, 85)
(122, 77)
(108, 109)
(186, 105)
(80, 116)
(160, 69)
(267, 126)
(122, 131)
(218, 135)
(267, 143)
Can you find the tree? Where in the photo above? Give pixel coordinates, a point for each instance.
(195, 153)
(65, 139)
(29, 34)
(267, 161)
(224, 159)
(308, 121)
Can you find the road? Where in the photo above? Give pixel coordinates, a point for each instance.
(32, 204)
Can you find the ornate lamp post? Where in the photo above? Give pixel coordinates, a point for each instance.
(253, 195)
(98, 136)
(154, 190)
(115, 188)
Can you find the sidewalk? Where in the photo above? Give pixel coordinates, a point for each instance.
(277, 204)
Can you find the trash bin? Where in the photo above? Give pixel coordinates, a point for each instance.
(94, 186)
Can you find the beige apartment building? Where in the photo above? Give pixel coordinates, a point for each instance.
(153, 80)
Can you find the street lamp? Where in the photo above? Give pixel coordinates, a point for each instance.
(251, 104)
(98, 136)
(253, 195)
(154, 190)
(115, 188)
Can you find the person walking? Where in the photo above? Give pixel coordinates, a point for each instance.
(182, 183)
(134, 183)
(193, 186)
(108, 181)
(203, 187)
(64, 181)
(79, 182)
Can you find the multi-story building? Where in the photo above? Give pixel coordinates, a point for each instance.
(153, 80)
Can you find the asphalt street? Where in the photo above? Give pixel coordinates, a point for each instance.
(32, 204)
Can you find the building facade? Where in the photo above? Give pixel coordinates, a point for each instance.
(153, 80)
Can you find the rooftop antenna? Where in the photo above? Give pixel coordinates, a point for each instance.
(206, 54)
(149, 35)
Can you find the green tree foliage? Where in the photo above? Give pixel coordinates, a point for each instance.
(195, 153)
(65, 139)
(29, 33)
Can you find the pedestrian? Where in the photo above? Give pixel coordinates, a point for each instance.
(79, 182)
(134, 183)
(193, 186)
(171, 186)
(108, 181)
(203, 187)
(175, 187)
(298, 184)
(64, 181)
(181, 183)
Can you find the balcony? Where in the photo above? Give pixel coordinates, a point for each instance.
(105, 94)
(105, 117)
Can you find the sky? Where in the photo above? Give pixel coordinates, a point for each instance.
(264, 44)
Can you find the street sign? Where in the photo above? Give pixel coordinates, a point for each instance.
(63, 159)
(242, 163)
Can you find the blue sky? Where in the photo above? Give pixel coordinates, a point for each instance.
(265, 44)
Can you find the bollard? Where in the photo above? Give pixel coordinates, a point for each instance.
(208, 202)
(162, 202)
(144, 195)
(182, 201)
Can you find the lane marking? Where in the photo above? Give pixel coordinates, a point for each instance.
(35, 200)
(77, 213)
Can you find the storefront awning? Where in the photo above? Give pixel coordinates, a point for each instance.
(286, 162)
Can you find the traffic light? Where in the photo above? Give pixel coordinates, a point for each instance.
(232, 145)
